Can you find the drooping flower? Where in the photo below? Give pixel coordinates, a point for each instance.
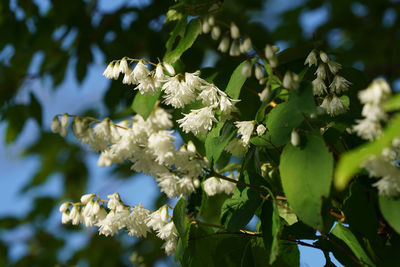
(245, 128)
(198, 121)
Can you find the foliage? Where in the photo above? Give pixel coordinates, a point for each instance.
(307, 171)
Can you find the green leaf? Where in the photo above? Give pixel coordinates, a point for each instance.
(193, 30)
(179, 30)
(218, 138)
(237, 211)
(270, 227)
(182, 225)
(350, 162)
(288, 115)
(289, 255)
(390, 208)
(306, 175)
(179, 216)
(144, 104)
(393, 103)
(344, 234)
(237, 80)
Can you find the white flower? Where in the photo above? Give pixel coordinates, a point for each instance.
(234, 31)
(168, 231)
(197, 121)
(140, 72)
(65, 218)
(245, 128)
(324, 57)
(124, 67)
(209, 95)
(368, 129)
(334, 67)
(311, 59)
(55, 124)
(170, 246)
(373, 112)
(158, 219)
(260, 129)
(224, 44)
(128, 79)
(234, 49)
(339, 84)
(270, 51)
(136, 222)
(294, 138)
(321, 71)
(159, 73)
(319, 87)
(108, 72)
(109, 225)
(177, 93)
(168, 183)
(333, 106)
(75, 215)
(160, 119)
(211, 20)
(193, 80)
(377, 92)
(186, 186)
(215, 32)
(114, 202)
(226, 107)
(162, 146)
(213, 186)
(146, 85)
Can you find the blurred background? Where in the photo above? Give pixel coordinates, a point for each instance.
(52, 56)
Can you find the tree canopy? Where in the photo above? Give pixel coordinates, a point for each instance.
(268, 133)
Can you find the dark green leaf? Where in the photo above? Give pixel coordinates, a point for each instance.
(306, 178)
(237, 80)
(218, 138)
(192, 31)
(390, 208)
(270, 226)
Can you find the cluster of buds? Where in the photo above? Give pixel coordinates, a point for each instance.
(326, 71)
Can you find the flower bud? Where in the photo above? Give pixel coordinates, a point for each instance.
(246, 69)
(55, 124)
(258, 72)
(246, 45)
(205, 27)
(260, 129)
(211, 20)
(324, 57)
(169, 68)
(234, 31)
(294, 138)
(265, 94)
(224, 44)
(235, 49)
(64, 207)
(86, 198)
(215, 33)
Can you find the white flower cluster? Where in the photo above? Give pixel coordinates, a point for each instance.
(370, 128)
(372, 97)
(179, 90)
(327, 71)
(149, 146)
(110, 218)
(387, 167)
(213, 186)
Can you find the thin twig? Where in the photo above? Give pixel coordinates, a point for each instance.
(223, 177)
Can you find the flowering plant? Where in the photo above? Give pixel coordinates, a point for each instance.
(299, 143)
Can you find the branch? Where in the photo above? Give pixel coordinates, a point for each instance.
(255, 187)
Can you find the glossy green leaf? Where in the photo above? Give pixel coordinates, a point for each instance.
(237, 80)
(193, 30)
(270, 227)
(393, 103)
(344, 234)
(288, 115)
(218, 138)
(350, 162)
(390, 208)
(144, 104)
(306, 174)
(237, 211)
